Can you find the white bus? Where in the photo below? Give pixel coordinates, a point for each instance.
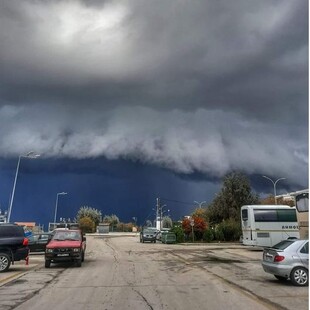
(266, 225)
(302, 207)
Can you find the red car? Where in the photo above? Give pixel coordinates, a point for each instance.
(66, 246)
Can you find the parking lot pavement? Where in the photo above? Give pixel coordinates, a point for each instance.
(20, 268)
(246, 252)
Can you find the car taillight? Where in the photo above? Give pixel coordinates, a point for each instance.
(25, 242)
(278, 258)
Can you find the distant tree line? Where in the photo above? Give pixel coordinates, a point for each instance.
(218, 221)
(89, 218)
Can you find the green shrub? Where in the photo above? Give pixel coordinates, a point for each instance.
(219, 234)
(208, 235)
(228, 230)
(179, 232)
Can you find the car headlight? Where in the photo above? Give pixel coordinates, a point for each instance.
(76, 249)
(49, 251)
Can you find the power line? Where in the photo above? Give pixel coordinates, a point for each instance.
(177, 201)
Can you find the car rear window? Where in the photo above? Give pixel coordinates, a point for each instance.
(283, 244)
(11, 231)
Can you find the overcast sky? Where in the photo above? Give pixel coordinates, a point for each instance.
(191, 86)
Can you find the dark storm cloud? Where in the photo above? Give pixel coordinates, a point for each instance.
(203, 86)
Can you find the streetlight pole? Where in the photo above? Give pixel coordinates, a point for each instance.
(200, 203)
(274, 186)
(62, 193)
(28, 155)
(192, 222)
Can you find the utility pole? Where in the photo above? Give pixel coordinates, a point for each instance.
(158, 213)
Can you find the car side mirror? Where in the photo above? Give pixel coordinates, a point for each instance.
(84, 238)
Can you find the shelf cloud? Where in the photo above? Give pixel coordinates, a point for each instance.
(198, 86)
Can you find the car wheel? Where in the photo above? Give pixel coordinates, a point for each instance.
(47, 263)
(154, 241)
(5, 262)
(280, 278)
(79, 263)
(299, 276)
(83, 254)
(142, 240)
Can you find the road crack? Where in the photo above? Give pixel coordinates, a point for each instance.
(144, 299)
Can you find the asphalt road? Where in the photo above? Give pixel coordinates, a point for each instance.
(121, 273)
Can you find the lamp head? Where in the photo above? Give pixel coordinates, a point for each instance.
(31, 154)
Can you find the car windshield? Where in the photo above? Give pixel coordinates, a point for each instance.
(149, 231)
(283, 245)
(67, 235)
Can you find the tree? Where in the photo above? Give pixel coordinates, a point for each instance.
(200, 212)
(86, 224)
(198, 228)
(124, 227)
(92, 213)
(166, 222)
(148, 223)
(179, 232)
(186, 226)
(111, 219)
(235, 193)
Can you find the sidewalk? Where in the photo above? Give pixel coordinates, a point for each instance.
(115, 234)
(20, 268)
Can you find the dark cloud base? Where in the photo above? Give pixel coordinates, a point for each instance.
(122, 187)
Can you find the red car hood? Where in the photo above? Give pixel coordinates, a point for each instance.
(63, 244)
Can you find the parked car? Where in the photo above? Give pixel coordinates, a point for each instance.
(38, 242)
(13, 245)
(65, 246)
(148, 234)
(288, 259)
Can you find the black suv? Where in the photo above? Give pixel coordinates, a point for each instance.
(13, 245)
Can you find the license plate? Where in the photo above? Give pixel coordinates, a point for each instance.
(63, 254)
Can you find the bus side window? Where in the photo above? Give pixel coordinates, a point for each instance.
(245, 215)
(305, 248)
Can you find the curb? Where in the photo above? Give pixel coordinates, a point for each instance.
(16, 275)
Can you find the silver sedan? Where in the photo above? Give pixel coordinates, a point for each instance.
(288, 259)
